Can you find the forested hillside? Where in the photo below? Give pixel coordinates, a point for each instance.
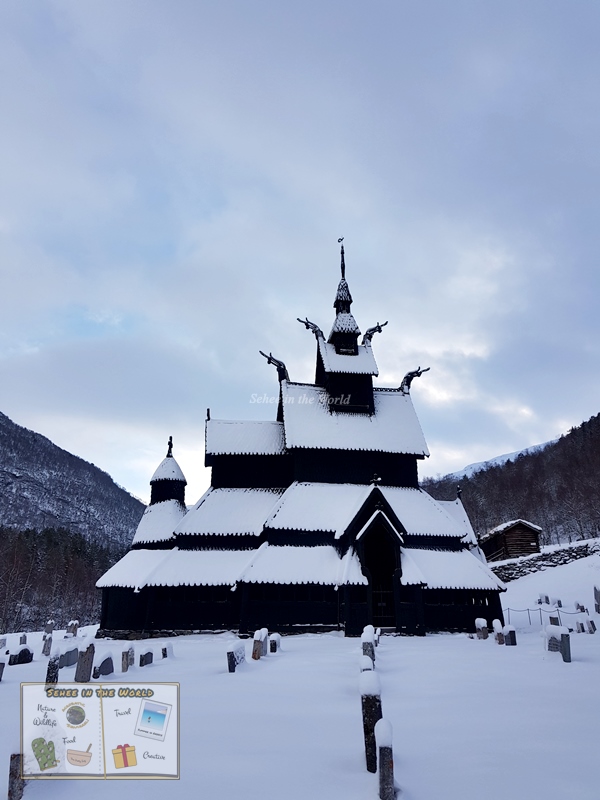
(43, 486)
(557, 488)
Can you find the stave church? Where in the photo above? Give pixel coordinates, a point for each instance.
(314, 521)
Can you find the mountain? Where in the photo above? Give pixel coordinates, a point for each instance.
(43, 486)
(555, 486)
(497, 461)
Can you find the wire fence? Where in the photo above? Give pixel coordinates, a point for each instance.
(533, 616)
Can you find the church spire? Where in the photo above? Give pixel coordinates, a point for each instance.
(345, 331)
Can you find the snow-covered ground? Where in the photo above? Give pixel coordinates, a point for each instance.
(471, 719)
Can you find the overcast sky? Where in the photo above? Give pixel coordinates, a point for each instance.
(174, 177)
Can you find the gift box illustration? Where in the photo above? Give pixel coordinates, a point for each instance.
(124, 756)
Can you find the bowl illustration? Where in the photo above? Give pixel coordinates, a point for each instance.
(79, 758)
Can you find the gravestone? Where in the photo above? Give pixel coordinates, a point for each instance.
(53, 668)
(49, 626)
(370, 692)
(481, 628)
(553, 644)
(2, 644)
(85, 662)
(72, 627)
(510, 635)
(2, 663)
(377, 636)
(554, 621)
(16, 784)
(498, 634)
(124, 661)
(131, 657)
(164, 652)
(69, 658)
(274, 643)
(23, 639)
(597, 599)
(565, 647)
(265, 641)
(47, 646)
(236, 655)
(105, 668)
(385, 761)
(580, 627)
(23, 656)
(146, 658)
(591, 626)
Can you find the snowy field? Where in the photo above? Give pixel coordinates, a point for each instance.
(471, 719)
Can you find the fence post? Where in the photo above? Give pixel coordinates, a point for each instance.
(370, 692)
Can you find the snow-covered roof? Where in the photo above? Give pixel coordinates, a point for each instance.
(267, 564)
(328, 507)
(446, 570)
(506, 525)
(456, 509)
(244, 438)
(158, 522)
(308, 422)
(168, 470)
(289, 564)
(331, 507)
(361, 364)
(420, 514)
(230, 511)
(344, 322)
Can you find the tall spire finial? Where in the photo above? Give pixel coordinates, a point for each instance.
(170, 450)
(343, 265)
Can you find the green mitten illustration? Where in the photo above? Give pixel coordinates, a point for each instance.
(44, 753)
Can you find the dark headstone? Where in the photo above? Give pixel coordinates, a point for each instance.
(164, 652)
(553, 645)
(580, 627)
(146, 658)
(371, 713)
(554, 621)
(256, 649)
(16, 784)
(510, 638)
(23, 639)
(236, 655)
(368, 649)
(47, 646)
(105, 668)
(591, 625)
(85, 661)
(72, 627)
(53, 668)
(69, 658)
(124, 661)
(2, 644)
(1, 669)
(565, 647)
(265, 641)
(131, 656)
(49, 626)
(559, 603)
(24, 656)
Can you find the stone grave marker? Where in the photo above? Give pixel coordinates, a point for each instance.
(49, 626)
(69, 658)
(53, 668)
(370, 692)
(16, 784)
(481, 628)
(554, 621)
(106, 668)
(274, 643)
(580, 627)
(85, 662)
(131, 656)
(385, 760)
(47, 646)
(23, 656)
(23, 639)
(236, 655)
(498, 634)
(72, 628)
(2, 643)
(2, 664)
(124, 660)
(510, 635)
(146, 658)
(591, 626)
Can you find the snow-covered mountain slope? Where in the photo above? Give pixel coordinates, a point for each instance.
(43, 486)
(498, 461)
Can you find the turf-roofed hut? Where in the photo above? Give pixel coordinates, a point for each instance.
(313, 521)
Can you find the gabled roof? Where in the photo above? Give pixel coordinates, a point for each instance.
(436, 569)
(168, 470)
(308, 422)
(420, 514)
(506, 525)
(288, 564)
(361, 364)
(230, 512)
(244, 437)
(158, 522)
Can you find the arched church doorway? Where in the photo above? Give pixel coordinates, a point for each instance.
(380, 558)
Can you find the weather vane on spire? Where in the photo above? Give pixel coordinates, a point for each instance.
(340, 241)
(170, 450)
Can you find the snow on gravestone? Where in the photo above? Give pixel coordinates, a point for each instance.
(370, 693)
(383, 737)
(510, 635)
(481, 628)
(368, 642)
(498, 634)
(366, 664)
(23, 656)
(47, 646)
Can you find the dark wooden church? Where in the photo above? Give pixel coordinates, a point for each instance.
(313, 522)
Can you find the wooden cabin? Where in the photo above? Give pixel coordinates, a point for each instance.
(511, 540)
(314, 521)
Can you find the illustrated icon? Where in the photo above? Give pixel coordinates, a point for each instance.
(75, 715)
(79, 758)
(153, 720)
(124, 756)
(44, 753)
